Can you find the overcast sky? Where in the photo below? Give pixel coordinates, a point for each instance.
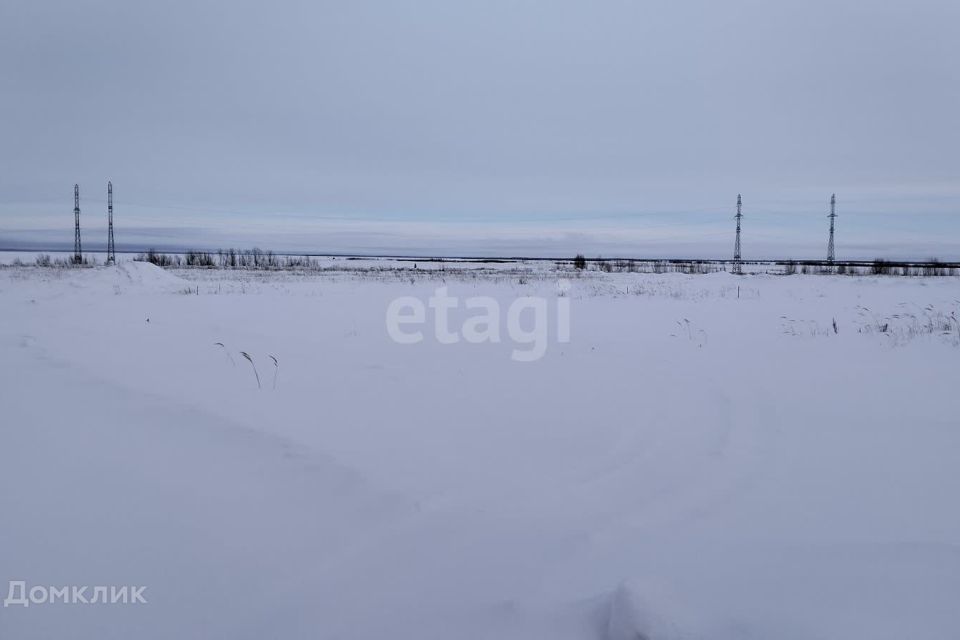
(603, 126)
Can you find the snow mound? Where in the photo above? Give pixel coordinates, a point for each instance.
(124, 277)
(144, 273)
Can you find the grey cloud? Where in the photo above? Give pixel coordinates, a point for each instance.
(473, 108)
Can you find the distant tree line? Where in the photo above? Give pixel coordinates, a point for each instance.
(228, 259)
(258, 259)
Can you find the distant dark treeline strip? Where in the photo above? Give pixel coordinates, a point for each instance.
(268, 260)
(257, 259)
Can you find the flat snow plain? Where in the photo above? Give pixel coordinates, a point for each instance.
(692, 464)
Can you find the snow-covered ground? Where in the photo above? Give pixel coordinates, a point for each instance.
(711, 457)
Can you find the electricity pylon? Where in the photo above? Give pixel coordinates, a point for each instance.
(111, 253)
(77, 249)
(832, 216)
(737, 268)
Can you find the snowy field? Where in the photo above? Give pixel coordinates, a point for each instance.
(708, 457)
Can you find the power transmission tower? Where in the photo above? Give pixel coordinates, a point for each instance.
(111, 253)
(77, 250)
(832, 216)
(736, 249)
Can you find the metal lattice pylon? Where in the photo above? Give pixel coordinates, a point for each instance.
(77, 249)
(833, 216)
(111, 253)
(737, 265)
